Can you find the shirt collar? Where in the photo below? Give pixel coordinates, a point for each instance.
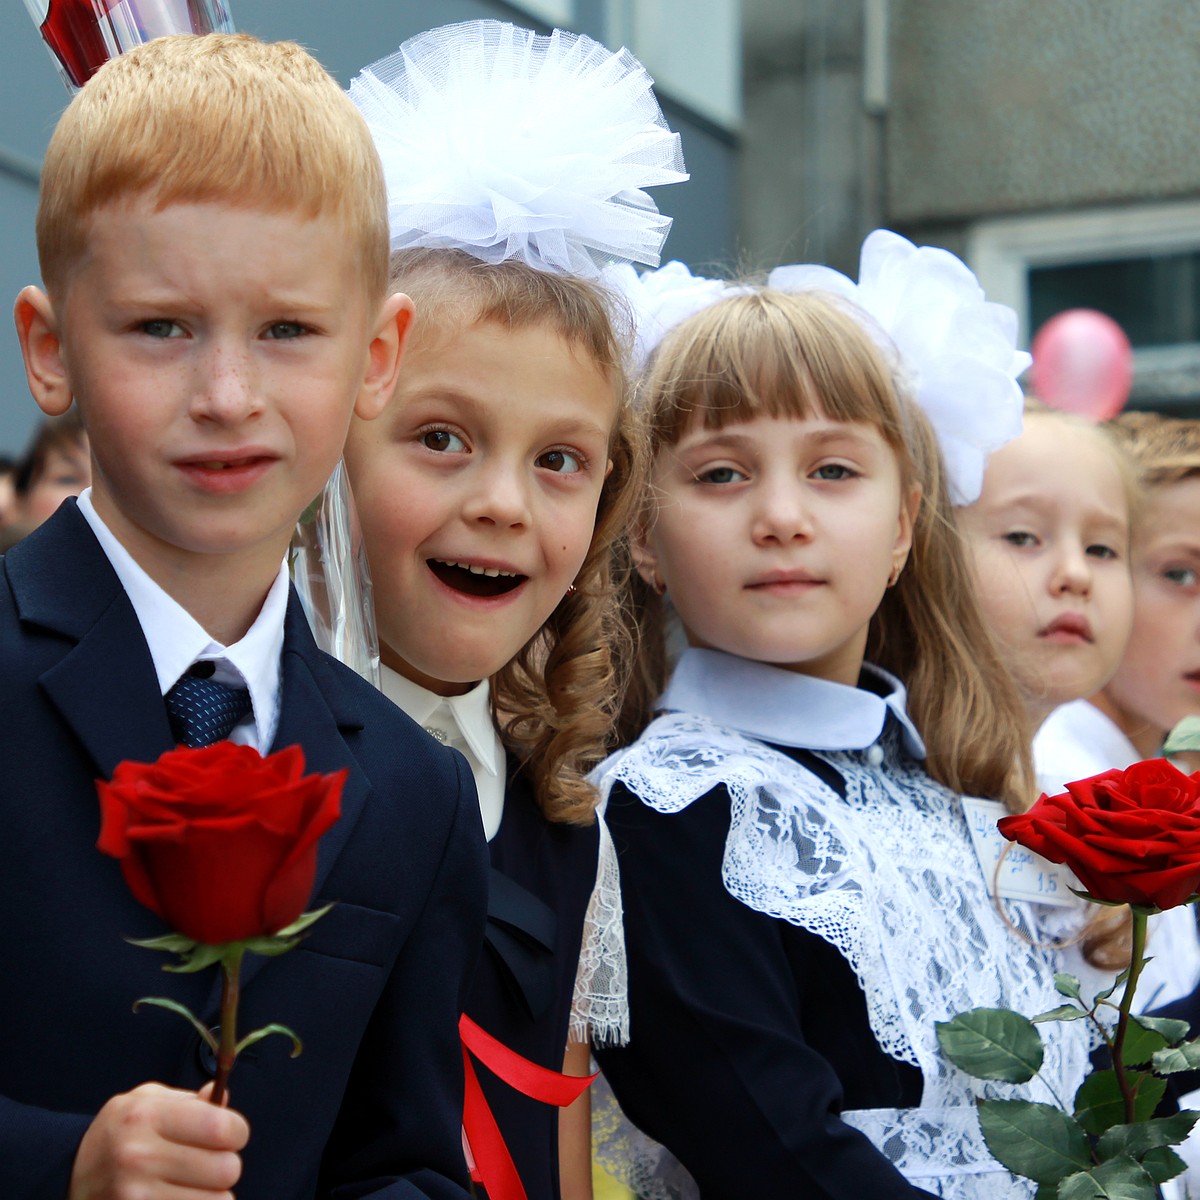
(786, 708)
(467, 717)
(176, 639)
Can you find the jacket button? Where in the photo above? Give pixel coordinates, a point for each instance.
(205, 1055)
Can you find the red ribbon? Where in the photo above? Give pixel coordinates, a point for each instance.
(493, 1165)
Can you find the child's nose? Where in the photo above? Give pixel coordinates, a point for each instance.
(1073, 572)
(500, 497)
(226, 391)
(781, 515)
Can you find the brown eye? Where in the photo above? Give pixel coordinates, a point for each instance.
(560, 461)
(441, 440)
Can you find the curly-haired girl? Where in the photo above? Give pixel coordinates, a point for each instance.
(490, 497)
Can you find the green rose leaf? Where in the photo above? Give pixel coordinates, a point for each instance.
(1116, 983)
(185, 1012)
(174, 943)
(269, 947)
(197, 959)
(1064, 1012)
(1098, 1103)
(1038, 1141)
(1137, 1140)
(992, 1043)
(1066, 985)
(1178, 1058)
(266, 1031)
(1170, 1030)
(1185, 736)
(1141, 1044)
(1120, 1179)
(303, 921)
(1162, 1163)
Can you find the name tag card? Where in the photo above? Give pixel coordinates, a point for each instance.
(1022, 874)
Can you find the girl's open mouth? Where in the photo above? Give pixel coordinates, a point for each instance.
(475, 581)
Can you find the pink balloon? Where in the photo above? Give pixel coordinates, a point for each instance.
(1082, 363)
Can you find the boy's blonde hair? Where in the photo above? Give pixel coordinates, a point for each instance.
(556, 703)
(769, 353)
(1164, 450)
(219, 117)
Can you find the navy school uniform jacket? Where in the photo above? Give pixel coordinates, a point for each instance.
(373, 1106)
(778, 1010)
(542, 877)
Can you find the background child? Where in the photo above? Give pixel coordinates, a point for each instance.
(213, 241)
(803, 900)
(55, 465)
(490, 495)
(1049, 539)
(1157, 682)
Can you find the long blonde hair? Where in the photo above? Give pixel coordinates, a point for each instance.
(556, 702)
(783, 355)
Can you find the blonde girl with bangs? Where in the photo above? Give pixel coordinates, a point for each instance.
(803, 897)
(505, 468)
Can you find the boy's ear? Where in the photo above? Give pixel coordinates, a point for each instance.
(383, 356)
(41, 348)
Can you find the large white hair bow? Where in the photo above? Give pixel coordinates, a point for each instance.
(958, 352)
(509, 144)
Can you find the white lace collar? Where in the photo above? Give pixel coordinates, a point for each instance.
(763, 702)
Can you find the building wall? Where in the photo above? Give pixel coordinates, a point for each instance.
(1007, 106)
(1023, 135)
(31, 98)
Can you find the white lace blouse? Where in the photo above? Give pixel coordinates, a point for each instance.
(887, 875)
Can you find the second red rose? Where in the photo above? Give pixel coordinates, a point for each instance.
(1131, 836)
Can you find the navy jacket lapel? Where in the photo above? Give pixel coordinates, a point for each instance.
(72, 590)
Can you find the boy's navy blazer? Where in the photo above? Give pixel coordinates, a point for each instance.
(373, 1106)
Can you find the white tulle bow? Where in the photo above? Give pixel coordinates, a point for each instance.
(660, 300)
(957, 350)
(509, 144)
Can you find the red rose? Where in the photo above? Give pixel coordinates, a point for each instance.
(220, 842)
(1131, 837)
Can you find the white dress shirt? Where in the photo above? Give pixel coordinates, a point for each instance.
(464, 722)
(177, 640)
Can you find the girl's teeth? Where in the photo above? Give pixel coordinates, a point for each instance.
(493, 572)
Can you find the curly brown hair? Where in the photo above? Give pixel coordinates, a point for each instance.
(556, 702)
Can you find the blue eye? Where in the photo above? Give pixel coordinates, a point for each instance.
(720, 475)
(564, 462)
(834, 471)
(443, 441)
(161, 328)
(286, 330)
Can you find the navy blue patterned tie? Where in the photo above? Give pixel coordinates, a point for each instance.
(202, 711)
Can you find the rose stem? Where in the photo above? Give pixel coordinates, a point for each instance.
(1136, 956)
(231, 968)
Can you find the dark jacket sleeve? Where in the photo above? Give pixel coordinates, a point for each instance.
(404, 1098)
(735, 1017)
